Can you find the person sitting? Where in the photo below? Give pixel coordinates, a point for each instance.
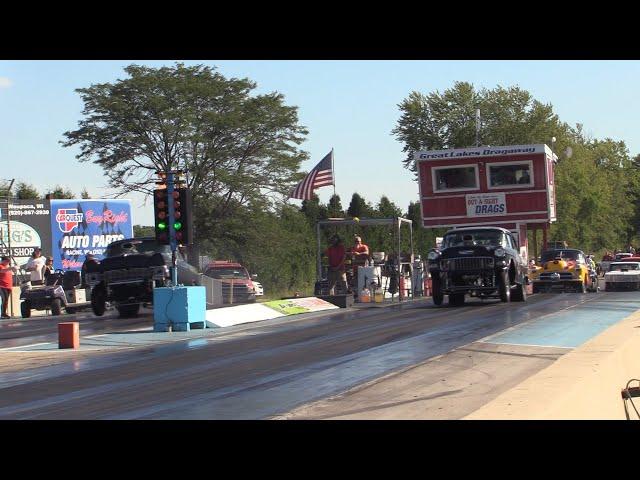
(467, 240)
(48, 268)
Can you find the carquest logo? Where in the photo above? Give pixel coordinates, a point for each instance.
(68, 219)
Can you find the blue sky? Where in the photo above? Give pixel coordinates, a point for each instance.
(350, 106)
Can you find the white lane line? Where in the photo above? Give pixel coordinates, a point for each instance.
(525, 345)
(26, 346)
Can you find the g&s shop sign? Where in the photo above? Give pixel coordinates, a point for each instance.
(486, 204)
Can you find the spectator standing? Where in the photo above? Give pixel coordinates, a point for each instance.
(35, 265)
(6, 284)
(337, 256)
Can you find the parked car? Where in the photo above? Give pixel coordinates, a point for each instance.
(605, 264)
(565, 269)
(237, 284)
(130, 271)
(623, 276)
(259, 289)
(479, 261)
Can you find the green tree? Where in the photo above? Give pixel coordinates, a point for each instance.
(144, 231)
(447, 120)
(335, 207)
(26, 191)
(60, 193)
(314, 210)
(237, 149)
(85, 193)
(358, 207)
(386, 208)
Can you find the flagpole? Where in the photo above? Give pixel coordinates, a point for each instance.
(333, 174)
(333, 171)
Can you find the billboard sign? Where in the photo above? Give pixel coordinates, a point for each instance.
(29, 228)
(80, 227)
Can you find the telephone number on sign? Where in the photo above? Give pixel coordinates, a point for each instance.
(21, 213)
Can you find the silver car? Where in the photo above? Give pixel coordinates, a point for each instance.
(622, 276)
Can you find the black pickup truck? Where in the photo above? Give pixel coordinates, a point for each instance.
(479, 261)
(130, 271)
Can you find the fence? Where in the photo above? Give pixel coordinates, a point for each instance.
(213, 290)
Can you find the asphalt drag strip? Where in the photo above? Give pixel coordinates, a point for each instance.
(459, 382)
(267, 370)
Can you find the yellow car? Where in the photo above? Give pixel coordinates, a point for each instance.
(565, 269)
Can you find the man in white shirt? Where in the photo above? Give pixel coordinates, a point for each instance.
(35, 265)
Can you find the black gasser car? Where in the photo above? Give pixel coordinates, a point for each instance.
(479, 261)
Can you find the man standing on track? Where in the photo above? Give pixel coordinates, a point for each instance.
(337, 257)
(6, 284)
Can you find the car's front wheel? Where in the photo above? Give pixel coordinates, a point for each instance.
(98, 301)
(520, 293)
(503, 287)
(436, 291)
(582, 288)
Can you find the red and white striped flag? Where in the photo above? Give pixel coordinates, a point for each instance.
(320, 176)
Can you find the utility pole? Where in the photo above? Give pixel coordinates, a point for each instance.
(172, 231)
(477, 127)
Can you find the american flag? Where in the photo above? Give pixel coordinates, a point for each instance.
(320, 176)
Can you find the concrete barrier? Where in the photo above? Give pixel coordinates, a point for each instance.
(69, 335)
(584, 384)
(182, 308)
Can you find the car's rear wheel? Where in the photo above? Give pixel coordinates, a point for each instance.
(56, 306)
(436, 291)
(456, 299)
(25, 309)
(504, 287)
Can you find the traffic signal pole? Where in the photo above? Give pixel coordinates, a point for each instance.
(172, 231)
